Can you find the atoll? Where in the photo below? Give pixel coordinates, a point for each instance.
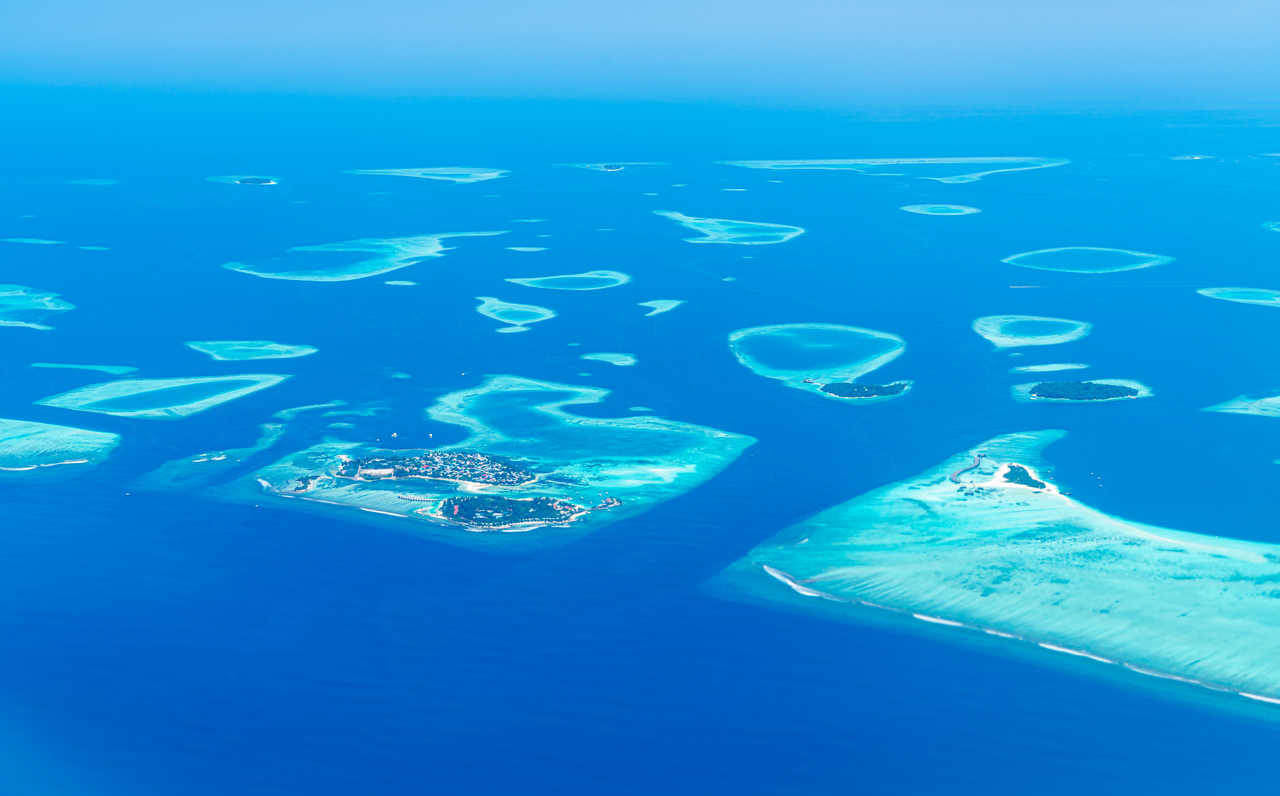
(587, 280)
(816, 356)
(517, 316)
(940, 210)
(1086, 260)
(1012, 331)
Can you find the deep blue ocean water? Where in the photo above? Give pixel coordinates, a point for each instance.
(166, 642)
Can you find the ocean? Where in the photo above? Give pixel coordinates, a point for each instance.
(165, 640)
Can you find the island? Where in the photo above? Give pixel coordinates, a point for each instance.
(244, 179)
(864, 391)
(984, 547)
(527, 463)
(940, 210)
(257, 181)
(1082, 391)
(820, 358)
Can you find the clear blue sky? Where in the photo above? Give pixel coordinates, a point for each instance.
(1175, 52)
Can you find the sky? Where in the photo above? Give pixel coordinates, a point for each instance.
(1185, 53)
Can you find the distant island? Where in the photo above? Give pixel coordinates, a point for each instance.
(256, 181)
(1082, 391)
(851, 390)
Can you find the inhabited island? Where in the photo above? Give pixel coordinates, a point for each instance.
(527, 463)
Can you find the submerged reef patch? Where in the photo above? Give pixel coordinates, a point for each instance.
(815, 357)
(613, 358)
(986, 543)
(239, 350)
(517, 316)
(458, 174)
(1243, 295)
(1086, 260)
(946, 170)
(1048, 367)
(26, 306)
(388, 254)
(659, 306)
(1012, 331)
(613, 167)
(587, 280)
(27, 447)
(114, 370)
(726, 230)
(161, 399)
(528, 463)
(1263, 406)
(940, 210)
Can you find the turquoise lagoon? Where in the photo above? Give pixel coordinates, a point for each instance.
(610, 467)
(1243, 295)
(516, 316)
(388, 254)
(986, 544)
(240, 350)
(808, 356)
(160, 399)
(1086, 260)
(1012, 331)
(597, 279)
(945, 170)
(27, 447)
(726, 230)
(26, 307)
